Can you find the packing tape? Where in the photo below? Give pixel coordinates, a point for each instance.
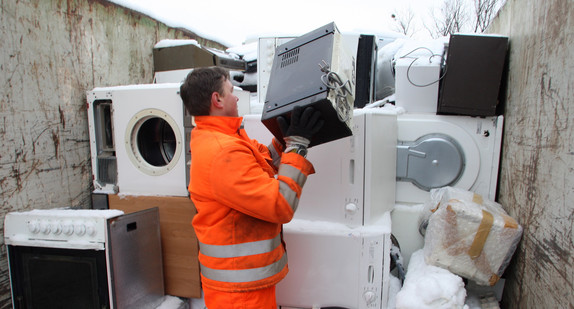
(477, 198)
(481, 234)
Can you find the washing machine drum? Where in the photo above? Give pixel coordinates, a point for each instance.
(156, 142)
(432, 161)
(153, 142)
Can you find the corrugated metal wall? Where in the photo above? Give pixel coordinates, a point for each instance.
(51, 53)
(537, 167)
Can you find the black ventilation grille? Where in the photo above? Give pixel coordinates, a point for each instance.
(290, 57)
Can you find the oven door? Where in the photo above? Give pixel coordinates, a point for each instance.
(58, 278)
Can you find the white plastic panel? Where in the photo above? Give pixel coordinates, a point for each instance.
(416, 84)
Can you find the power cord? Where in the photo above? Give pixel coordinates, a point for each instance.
(417, 58)
(333, 81)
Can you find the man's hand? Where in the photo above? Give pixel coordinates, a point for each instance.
(304, 122)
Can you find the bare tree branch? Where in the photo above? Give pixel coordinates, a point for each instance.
(485, 11)
(404, 21)
(452, 19)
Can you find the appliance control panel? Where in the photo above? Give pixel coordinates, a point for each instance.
(58, 228)
(373, 269)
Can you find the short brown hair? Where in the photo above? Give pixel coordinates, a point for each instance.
(198, 86)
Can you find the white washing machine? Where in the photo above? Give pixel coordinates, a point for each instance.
(143, 128)
(435, 151)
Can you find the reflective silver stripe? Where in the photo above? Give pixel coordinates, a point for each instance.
(293, 173)
(237, 250)
(289, 195)
(274, 154)
(244, 275)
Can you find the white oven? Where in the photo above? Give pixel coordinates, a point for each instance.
(67, 258)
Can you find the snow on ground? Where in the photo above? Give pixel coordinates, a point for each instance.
(428, 286)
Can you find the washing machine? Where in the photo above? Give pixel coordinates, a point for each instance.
(138, 140)
(434, 151)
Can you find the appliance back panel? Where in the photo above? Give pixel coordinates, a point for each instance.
(293, 77)
(191, 56)
(474, 67)
(366, 64)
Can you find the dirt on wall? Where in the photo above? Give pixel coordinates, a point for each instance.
(51, 53)
(537, 165)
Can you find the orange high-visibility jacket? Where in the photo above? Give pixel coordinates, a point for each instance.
(241, 205)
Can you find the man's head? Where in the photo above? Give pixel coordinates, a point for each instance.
(208, 91)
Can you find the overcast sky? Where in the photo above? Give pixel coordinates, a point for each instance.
(233, 23)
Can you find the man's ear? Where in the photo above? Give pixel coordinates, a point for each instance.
(216, 99)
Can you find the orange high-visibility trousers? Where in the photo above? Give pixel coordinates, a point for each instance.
(258, 299)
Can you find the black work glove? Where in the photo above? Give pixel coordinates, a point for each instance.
(305, 122)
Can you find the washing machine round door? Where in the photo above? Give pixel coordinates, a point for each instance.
(153, 142)
(433, 161)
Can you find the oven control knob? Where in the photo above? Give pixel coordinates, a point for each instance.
(45, 227)
(68, 228)
(370, 297)
(34, 226)
(57, 228)
(90, 229)
(351, 208)
(80, 229)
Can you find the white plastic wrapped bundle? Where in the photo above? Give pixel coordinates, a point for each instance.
(470, 236)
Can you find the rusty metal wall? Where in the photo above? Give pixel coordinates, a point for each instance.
(537, 166)
(51, 53)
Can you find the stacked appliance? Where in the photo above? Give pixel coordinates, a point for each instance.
(339, 240)
(445, 137)
(139, 142)
(430, 149)
(139, 138)
(371, 177)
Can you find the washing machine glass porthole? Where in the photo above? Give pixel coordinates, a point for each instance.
(153, 142)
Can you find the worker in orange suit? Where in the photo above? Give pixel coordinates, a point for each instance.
(243, 191)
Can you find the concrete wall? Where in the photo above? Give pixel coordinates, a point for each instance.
(537, 167)
(51, 53)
